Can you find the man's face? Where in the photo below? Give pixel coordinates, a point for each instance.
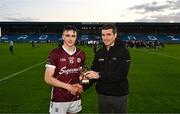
(69, 38)
(108, 37)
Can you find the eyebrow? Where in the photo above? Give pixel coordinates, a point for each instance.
(106, 34)
(70, 35)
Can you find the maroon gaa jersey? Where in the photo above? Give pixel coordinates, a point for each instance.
(67, 68)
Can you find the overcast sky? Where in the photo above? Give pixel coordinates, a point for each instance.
(90, 10)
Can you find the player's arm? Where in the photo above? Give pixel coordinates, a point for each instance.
(49, 79)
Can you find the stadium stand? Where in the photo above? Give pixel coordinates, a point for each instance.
(89, 31)
(166, 38)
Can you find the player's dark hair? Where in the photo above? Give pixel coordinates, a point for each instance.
(109, 26)
(69, 27)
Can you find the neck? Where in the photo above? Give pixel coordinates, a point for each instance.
(108, 47)
(69, 49)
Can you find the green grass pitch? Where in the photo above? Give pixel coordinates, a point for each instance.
(154, 80)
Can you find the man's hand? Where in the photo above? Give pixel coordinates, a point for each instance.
(83, 77)
(92, 75)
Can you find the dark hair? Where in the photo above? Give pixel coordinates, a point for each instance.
(69, 27)
(109, 26)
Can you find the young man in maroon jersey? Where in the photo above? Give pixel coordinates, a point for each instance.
(62, 73)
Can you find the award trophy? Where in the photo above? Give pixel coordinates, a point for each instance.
(84, 79)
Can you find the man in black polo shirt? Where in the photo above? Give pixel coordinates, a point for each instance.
(110, 68)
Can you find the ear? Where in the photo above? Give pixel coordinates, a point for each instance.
(115, 35)
(62, 37)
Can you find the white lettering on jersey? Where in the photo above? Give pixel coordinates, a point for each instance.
(67, 71)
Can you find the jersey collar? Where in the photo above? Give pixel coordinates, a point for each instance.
(68, 51)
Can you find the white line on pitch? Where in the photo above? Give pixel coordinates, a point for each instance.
(12, 75)
(156, 53)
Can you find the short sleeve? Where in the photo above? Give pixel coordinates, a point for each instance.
(83, 59)
(52, 60)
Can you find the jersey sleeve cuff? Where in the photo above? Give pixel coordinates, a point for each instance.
(51, 66)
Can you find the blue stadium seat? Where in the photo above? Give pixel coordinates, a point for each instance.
(166, 38)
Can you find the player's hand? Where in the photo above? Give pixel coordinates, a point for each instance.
(92, 75)
(79, 86)
(75, 89)
(80, 77)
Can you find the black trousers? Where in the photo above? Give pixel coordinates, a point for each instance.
(113, 104)
(11, 49)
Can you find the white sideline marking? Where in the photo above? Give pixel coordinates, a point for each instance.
(12, 75)
(155, 53)
(173, 57)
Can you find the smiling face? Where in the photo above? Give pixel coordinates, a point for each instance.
(69, 37)
(108, 37)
